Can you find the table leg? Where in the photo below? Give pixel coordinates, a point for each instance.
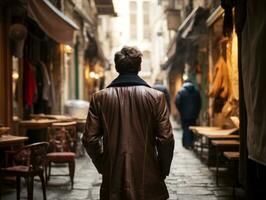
(209, 153)
(234, 177)
(201, 147)
(217, 166)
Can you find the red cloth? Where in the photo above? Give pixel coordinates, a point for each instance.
(29, 86)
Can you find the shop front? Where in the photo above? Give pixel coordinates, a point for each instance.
(95, 64)
(223, 72)
(32, 59)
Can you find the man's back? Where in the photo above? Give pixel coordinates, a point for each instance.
(131, 131)
(137, 148)
(129, 108)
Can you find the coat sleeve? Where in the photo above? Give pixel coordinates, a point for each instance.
(92, 136)
(164, 137)
(168, 99)
(178, 100)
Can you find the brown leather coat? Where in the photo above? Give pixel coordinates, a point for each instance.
(129, 139)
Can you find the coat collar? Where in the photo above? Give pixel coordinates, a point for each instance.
(129, 79)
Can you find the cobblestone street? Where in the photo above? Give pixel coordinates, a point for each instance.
(190, 179)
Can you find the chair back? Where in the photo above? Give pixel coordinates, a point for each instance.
(32, 155)
(63, 137)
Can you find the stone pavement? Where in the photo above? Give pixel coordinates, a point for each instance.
(190, 179)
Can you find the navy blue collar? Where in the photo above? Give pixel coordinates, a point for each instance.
(129, 79)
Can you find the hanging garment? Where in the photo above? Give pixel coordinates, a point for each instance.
(232, 55)
(52, 96)
(220, 83)
(29, 84)
(46, 90)
(38, 104)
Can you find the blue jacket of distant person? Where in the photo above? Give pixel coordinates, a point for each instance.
(188, 101)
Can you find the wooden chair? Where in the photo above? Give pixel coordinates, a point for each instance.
(28, 162)
(62, 147)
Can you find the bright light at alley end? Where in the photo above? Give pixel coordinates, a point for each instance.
(185, 77)
(67, 49)
(15, 75)
(94, 75)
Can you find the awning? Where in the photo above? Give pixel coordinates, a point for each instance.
(105, 7)
(192, 34)
(194, 27)
(52, 21)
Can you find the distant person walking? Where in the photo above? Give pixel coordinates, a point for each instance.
(188, 103)
(160, 87)
(128, 134)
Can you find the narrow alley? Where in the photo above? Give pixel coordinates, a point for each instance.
(105, 77)
(189, 179)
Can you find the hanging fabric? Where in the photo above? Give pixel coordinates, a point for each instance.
(52, 21)
(220, 84)
(29, 84)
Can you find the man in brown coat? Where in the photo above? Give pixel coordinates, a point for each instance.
(128, 134)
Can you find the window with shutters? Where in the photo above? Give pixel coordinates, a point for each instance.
(146, 20)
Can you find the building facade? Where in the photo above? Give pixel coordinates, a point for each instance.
(140, 23)
(46, 47)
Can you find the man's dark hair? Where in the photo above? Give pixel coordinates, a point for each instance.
(128, 60)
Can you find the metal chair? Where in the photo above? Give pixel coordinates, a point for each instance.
(28, 162)
(62, 147)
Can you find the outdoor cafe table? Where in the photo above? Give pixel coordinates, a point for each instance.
(62, 118)
(43, 122)
(40, 124)
(59, 118)
(222, 146)
(204, 128)
(211, 133)
(12, 140)
(197, 130)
